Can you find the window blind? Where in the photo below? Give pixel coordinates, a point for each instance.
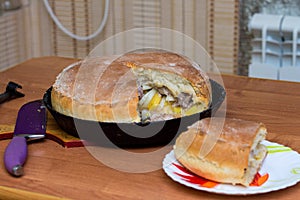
(212, 23)
(75, 16)
(11, 48)
(146, 14)
(223, 31)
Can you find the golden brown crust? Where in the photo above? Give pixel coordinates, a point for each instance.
(228, 159)
(100, 112)
(100, 88)
(97, 91)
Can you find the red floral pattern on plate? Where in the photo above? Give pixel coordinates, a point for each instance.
(192, 178)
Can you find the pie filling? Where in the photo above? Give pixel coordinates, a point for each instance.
(164, 96)
(257, 155)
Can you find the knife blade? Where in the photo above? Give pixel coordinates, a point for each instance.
(30, 125)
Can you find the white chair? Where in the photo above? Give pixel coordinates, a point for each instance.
(289, 74)
(261, 70)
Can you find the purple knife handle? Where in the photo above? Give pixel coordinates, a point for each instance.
(15, 155)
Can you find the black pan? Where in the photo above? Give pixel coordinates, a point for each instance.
(132, 134)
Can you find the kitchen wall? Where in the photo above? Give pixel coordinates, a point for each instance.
(211, 23)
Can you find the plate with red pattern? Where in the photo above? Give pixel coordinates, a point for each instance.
(280, 169)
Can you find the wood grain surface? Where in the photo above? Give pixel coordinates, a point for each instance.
(74, 173)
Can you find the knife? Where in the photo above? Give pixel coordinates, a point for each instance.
(30, 125)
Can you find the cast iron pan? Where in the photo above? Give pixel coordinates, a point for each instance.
(132, 135)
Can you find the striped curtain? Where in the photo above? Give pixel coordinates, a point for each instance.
(211, 23)
(12, 48)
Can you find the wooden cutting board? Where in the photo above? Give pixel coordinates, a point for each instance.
(53, 132)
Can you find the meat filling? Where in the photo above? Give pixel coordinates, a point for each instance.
(165, 96)
(257, 154)
(184, 100)
(159, 104)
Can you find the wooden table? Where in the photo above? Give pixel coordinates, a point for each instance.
(53, 171)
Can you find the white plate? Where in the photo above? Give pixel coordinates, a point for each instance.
(282, 164)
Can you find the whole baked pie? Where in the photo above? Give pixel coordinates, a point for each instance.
(134, 87)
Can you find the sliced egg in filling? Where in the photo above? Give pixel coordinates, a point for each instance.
(159, 100)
